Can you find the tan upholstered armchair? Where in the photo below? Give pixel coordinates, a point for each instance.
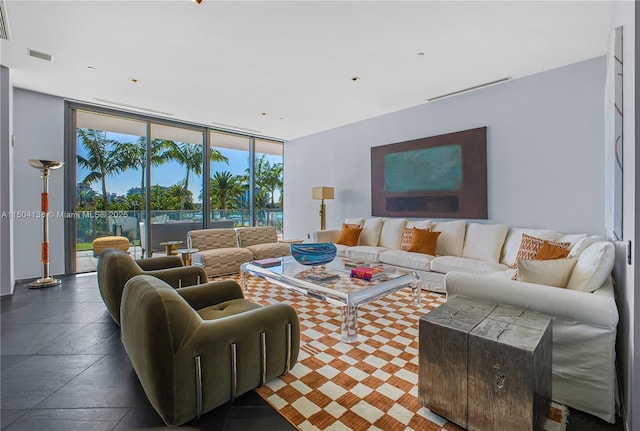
(198, 347)
(115, 268)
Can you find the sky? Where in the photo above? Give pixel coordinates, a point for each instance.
(168, 174)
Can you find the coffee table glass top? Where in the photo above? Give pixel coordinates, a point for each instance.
(342, 290)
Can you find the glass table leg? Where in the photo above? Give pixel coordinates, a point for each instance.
(243, 279)
(349, 323)
(415, 287)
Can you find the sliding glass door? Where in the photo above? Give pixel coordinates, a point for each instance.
(108, 191)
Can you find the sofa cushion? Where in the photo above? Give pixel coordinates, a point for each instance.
(420, 224)
(354, 221)
(270, 250)
(391, 233)
(484, 241)
(406, 259)
(227, 308)
(207, 239)
(365, 253)
(371, 231)
(424, 241)
(451, 239)
(514, 238)
(445, 264)
(582, 245)
(507, 274)
(256, 235)
(551, 272)
(219, 261)
(349, 235)
(593, 267)
(341, 249)
(530, 245)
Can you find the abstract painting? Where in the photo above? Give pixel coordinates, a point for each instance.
(441, 176)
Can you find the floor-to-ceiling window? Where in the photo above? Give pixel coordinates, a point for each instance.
(269, 175)
(144, 178)
(229, 180)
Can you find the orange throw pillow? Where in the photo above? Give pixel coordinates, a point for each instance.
(424, 241)
(551, 251)
(349, 235)
(530, 245)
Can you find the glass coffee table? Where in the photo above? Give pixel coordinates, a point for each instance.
(343, 290)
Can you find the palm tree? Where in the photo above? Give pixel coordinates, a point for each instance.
(190, 156)
(273, 181)
(103, 159)
(134, 155)
(226, 190)
(261, 192)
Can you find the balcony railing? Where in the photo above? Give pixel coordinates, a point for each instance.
(93, 224)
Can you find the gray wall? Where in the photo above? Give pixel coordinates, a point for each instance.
(544, 152)
(6, 181)
(39, 134)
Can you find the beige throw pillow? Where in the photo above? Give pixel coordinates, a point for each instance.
(555, 272)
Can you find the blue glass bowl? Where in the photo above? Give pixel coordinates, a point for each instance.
(314, 254)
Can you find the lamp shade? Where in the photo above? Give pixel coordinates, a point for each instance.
(319, 193)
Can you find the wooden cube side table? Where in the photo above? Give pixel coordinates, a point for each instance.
(485, 366)
(510, 370)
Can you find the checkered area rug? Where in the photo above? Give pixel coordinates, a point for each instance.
(368, 385)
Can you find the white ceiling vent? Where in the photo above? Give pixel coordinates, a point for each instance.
(4, 22)
(40, 55)
(475, 87)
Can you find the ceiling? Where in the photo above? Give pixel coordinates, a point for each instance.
(284, 69)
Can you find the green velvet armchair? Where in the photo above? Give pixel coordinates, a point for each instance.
(198, 347)
(115, 268)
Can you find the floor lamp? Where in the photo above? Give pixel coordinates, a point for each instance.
(45, 167)
(322, 193)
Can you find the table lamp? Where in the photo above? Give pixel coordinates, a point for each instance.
(45, 166)
(322, 193)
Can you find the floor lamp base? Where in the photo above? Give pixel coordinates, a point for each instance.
(44, 282)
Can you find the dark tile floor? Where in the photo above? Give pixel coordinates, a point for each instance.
(64, 368)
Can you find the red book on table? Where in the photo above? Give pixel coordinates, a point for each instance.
(367, 273)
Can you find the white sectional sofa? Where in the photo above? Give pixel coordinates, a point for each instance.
(474, 259)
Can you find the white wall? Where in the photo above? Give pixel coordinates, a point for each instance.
(7, 276)
(39, 134)
(544, 152)
(628, 298)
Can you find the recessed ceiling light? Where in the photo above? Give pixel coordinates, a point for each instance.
(355, 79)
(264, 114)
(133, 80)
(91, 68)
(421, 54)
(198, 2)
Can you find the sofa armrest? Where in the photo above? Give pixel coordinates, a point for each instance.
(183, 276)
(570, 305)
(162, 262)
(330, 235)
(216, 292)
